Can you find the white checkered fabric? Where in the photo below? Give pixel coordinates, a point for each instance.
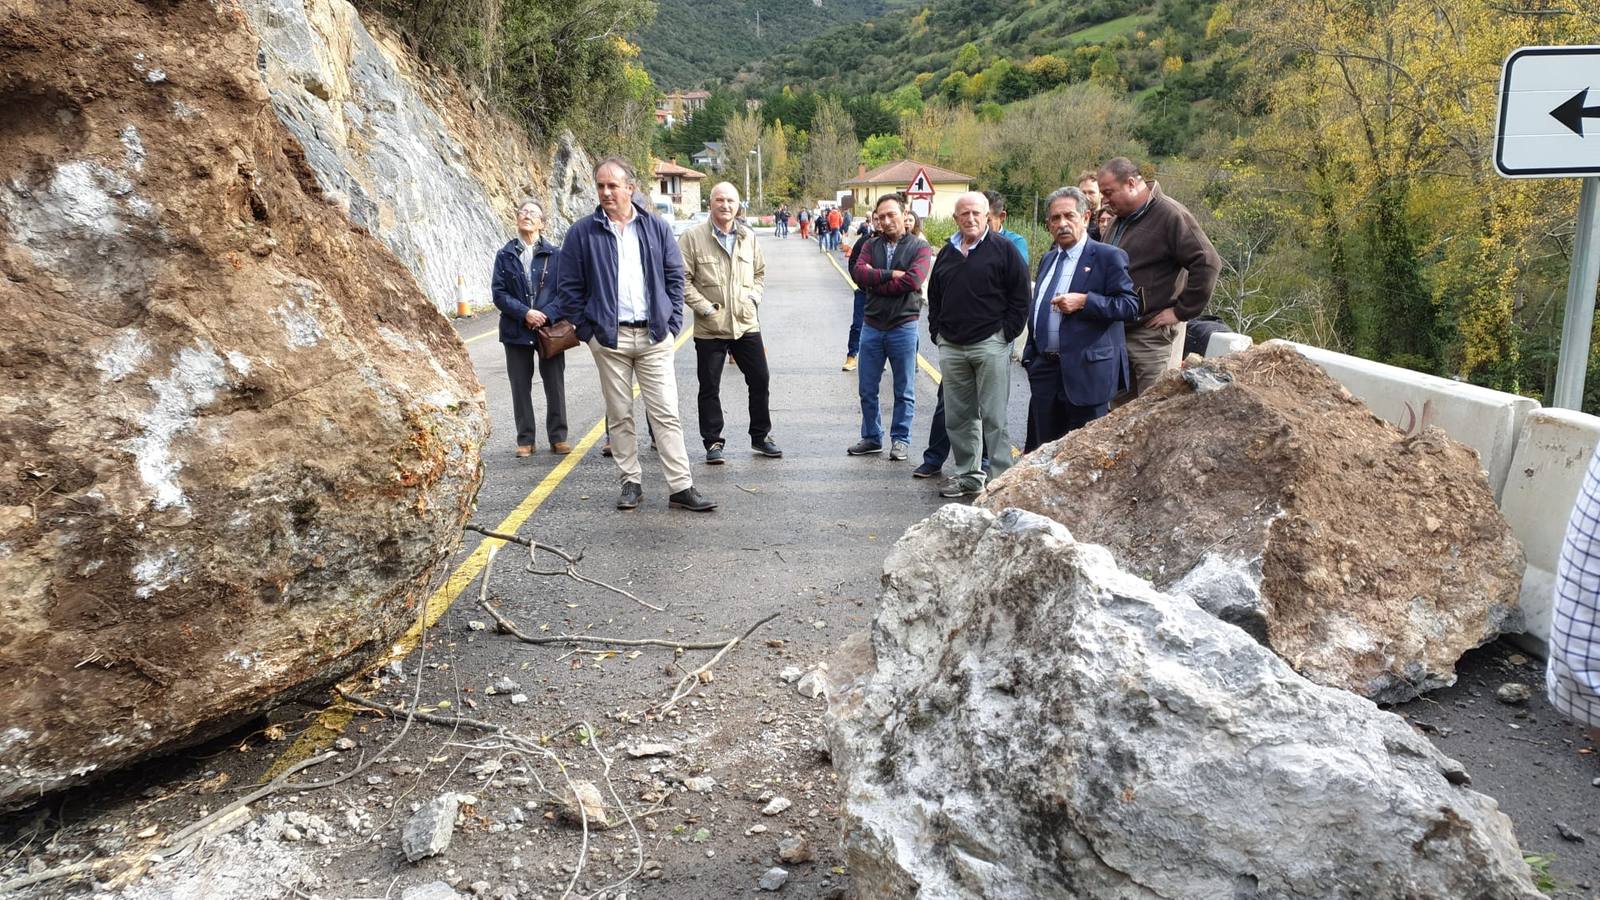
(1574, 667)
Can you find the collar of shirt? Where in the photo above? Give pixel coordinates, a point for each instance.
(955, 241)
(725, 238)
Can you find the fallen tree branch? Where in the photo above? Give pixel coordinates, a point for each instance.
(571, 561)
(510, 627)
(77, 868)
(686, 684)
(412, 712)
(179, 840)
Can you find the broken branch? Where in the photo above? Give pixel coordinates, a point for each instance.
(686, 684)
(510, 627)
(571, 561)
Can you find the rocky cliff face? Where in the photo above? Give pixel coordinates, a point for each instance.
(407, 153)
(238, 440)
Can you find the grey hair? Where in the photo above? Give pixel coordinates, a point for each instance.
(529, 201)
(629, 176)
(1064, 193)
(1121, 168)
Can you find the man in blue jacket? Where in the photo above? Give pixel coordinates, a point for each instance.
(523, 287)
(1076, 356)
(621, 284)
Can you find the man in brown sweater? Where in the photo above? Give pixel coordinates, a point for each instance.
(1172, 262)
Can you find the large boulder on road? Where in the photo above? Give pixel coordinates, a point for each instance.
(1034, 723)
(238, 441)
(1368, 559)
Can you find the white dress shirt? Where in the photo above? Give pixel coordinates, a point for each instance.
(1066, 262)
(632, 304)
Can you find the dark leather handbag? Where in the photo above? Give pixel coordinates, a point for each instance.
(556, 338)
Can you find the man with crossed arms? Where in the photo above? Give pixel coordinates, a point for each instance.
(1076, 355)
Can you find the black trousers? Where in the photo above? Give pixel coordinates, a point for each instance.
(750, 355)
(1050, 415)
(520, 362)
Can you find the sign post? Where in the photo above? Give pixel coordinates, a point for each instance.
(1549, 127)
(920, 193)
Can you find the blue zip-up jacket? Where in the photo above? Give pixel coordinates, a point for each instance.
(513, 291)
(586, 289)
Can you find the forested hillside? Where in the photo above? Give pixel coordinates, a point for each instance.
(692, 42)
(1338, 151)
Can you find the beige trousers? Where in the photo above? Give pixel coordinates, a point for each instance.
(1151, 351)
(637, 358)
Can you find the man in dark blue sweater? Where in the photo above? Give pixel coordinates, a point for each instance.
(977, 305)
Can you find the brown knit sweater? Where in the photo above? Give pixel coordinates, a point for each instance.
(1170, 259)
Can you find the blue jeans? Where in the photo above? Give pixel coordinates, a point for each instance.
(857, 317)
(898, 348)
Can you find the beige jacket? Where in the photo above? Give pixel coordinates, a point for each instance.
(724, 292)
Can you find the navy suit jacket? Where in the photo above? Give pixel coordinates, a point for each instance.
(1094, 354)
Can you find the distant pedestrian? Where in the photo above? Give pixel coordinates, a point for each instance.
(621, 283)
(858, 305)
(1172, 263)
(1573, 669)
(780, 221)
(835, 222)
(1075, 355)
(523, 289)
(977, 304)
(803, 218)
(724, 277)
(891, 269)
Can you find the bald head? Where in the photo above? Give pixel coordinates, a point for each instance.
(972, 216)
(724, 204)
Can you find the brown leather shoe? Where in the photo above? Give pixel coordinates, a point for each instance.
(561, 448)
(524, 451)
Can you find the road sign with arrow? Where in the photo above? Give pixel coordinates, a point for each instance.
(1548, 128)
(1549, 125)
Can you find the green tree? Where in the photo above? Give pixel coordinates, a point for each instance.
(882, 148)
(968, 59)
(831, 149)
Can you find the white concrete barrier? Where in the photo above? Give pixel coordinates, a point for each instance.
(1546, 472)
(1486, 420)
(1224, 342)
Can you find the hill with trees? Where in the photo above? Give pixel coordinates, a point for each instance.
(1337, 151)
(691, 42)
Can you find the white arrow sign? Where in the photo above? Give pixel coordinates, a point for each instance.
(1549, 124)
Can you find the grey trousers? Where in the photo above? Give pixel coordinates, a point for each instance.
(521, 359)
(977, 390)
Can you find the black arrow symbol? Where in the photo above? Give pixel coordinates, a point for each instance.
(1573, 112)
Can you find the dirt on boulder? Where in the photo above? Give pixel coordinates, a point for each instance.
(238, 440)
(1257, 485)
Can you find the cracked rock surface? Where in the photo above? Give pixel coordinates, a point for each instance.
(1033, 722)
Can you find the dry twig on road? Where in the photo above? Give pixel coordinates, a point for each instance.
(571, 571)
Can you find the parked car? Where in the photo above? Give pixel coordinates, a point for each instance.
(679, 226)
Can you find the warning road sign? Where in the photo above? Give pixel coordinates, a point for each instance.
(920, 186)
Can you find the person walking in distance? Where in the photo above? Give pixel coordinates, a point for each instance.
(1075, 355)
(977, 305)
(780, 221)
(1172, 263)
(890, 270)
(523, 289)
(621, 284)
(803, 217)
(724, 276)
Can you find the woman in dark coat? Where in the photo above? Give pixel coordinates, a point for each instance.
(524, 291)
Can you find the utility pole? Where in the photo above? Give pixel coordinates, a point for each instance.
(761, 182)
(747, 175)
(758, 23)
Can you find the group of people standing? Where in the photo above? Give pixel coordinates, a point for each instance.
(1103, 319)
(1103, 316)
(623, 281)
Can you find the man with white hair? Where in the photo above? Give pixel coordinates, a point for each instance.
(977, 305)
(724, 276)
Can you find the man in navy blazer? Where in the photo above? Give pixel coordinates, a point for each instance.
(1075, 355)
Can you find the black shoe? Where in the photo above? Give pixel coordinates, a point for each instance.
(863, 447)
(690, 499)
(926, 470)
(766, 447)
(605, 449)
(632, 493)
(714, 454)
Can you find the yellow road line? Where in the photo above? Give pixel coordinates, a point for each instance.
(922, 361)
(332, 721)
(480, 337)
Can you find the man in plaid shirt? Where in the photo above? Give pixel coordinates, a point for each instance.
(1574, 667)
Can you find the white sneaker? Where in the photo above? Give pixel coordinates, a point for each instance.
(899, 449)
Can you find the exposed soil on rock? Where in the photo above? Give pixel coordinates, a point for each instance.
(238, 440)
(1368, 559)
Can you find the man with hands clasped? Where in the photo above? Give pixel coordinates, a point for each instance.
(1076, 355)
(724, 276)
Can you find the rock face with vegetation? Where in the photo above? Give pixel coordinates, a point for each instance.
(1258, 486)
(410, 155)
(1035, 723)
(239, 440)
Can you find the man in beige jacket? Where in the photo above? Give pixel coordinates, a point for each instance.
(723, 277)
